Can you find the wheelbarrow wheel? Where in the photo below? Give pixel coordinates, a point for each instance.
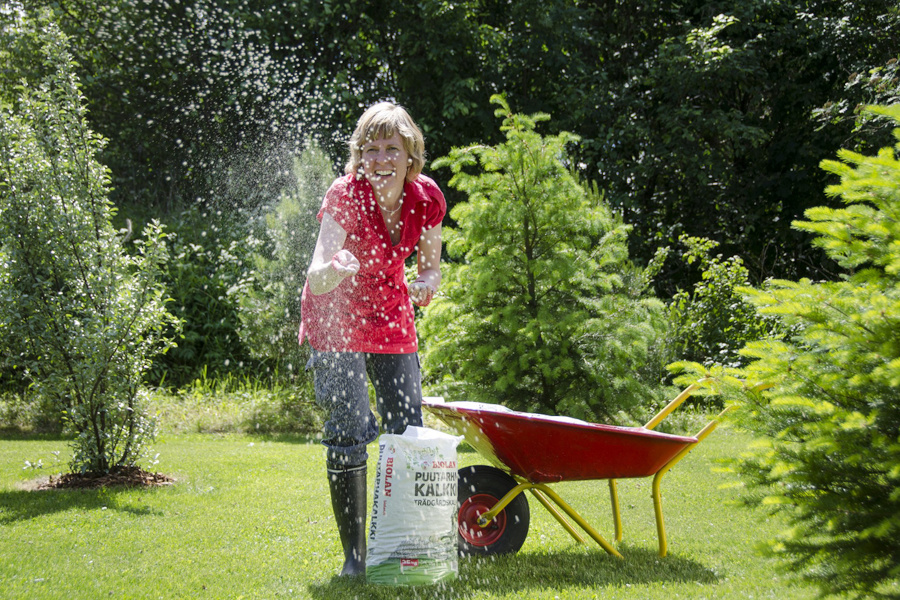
(480, 488)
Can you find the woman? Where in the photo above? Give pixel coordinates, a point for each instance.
(357, 308)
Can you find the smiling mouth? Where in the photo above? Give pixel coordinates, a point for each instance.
(384, 173)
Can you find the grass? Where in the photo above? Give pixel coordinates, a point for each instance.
(249, 517)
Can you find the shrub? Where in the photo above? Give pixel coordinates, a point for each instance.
(713, 322)
(89, 316)
(208, 272)
(542, 309)
(829, 458)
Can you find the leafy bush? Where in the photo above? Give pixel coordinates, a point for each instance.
(713, 322)
(207, 274)
(89, 315)
(829, 458)
(875, 85)
(543, 310)
(23, 410)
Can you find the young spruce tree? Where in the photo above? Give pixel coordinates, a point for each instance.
(86, 315)
(270, 309)
(825, 402)
(540, 308)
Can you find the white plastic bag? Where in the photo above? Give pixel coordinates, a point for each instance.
(412, 536)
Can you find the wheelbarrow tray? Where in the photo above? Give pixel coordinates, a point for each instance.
(548, 449)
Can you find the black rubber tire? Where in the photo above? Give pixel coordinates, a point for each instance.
(480, 488)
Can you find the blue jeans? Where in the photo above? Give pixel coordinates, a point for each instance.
(340, 383)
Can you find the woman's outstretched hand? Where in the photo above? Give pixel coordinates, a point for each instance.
(421, 293)
(345, 263)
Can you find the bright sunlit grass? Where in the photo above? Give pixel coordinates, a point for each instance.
(250, 517)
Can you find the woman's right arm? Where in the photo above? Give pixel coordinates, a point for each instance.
(331, 264)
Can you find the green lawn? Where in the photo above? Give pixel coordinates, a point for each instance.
(250, 518)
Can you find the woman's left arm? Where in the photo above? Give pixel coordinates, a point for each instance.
(429, 267)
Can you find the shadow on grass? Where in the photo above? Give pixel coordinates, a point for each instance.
(530, 573)
(287, 438)
(23, 505)
(12, 434)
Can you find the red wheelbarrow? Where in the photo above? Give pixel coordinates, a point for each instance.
(530, 451)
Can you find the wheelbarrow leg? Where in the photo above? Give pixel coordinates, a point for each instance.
(557, 515)
(617, 515)
(660, 522)
(578, 519)
(657, 497)
(487, 517)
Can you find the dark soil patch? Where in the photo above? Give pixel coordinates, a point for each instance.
(122, 477)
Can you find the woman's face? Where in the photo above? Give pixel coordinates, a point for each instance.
(385, 163)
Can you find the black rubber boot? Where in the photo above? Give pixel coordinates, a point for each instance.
(349, 501)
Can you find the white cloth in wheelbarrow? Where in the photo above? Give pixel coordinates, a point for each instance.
(412, 537)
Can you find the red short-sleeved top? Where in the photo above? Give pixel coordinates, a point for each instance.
(371, 311)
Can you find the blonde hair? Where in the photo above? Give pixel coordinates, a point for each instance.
(382, 121)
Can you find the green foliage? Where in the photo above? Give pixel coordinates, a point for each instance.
(699, 120)
(26, 411)
(89, 316)
(270, 307)
(713, 322)
(205, 276)
(693, 117)
(215, 90)
(542, 311)
(878, 85)
(830, 422)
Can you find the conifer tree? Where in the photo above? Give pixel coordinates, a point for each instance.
(825, 402)
(540, 308)
(270, 308)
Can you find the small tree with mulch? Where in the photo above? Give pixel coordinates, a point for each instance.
(86, 313)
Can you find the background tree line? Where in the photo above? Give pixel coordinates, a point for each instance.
(705, 119)
(701, 119)
(696, 117)
(696, 121)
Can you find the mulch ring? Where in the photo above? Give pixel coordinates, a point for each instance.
(121, 477)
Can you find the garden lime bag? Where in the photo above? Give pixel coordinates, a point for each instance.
(412, 536)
